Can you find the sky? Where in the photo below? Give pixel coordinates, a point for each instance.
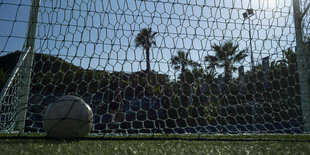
(100, 34)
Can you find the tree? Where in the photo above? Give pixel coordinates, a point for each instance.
(182, 61)
(226, 55)
(145, 39)
(3, 78)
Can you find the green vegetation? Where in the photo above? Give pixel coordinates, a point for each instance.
(3, 78)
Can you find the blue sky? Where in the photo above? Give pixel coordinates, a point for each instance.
(100, 34)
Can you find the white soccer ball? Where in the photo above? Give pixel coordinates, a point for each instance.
(68, 117)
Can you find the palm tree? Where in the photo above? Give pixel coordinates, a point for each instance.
(226, 55)
(145, 39)
(182, 61)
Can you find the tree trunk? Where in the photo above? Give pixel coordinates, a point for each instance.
(183, 68)
(227, 76)
(148, 65)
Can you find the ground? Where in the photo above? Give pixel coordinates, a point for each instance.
(160, 144)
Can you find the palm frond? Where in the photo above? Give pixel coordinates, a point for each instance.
(145, 38)
(225, 56)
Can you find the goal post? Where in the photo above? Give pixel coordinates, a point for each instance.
(153, 66)
(26, 72)
(21, 77)
(303, 62)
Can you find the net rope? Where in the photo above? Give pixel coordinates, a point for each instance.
(200, 78)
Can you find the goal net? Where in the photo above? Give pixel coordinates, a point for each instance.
(158, 66)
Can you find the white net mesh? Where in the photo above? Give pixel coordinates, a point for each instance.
(169, 66)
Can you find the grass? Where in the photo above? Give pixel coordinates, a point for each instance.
(188, 144)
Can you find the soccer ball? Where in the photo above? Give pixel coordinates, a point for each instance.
(68, 117)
